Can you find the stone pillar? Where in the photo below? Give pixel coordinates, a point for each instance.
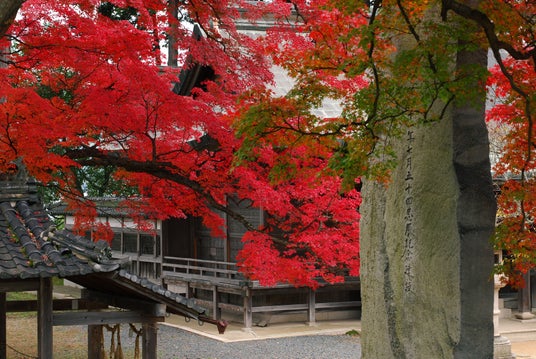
(502, 348)
(426, 252)
(410, 253)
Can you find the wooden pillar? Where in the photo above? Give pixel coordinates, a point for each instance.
(524, 302)
(524, 297)
(189, 290)
(3, 330)
(44, 319)
(248, 310)
(95, 344)
(216, 314)
(311, 307)
(149, 340)
(95, 335)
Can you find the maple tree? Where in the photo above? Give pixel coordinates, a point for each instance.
(86, 96)
(89, 91)
(394, 65)
(86, 87)
(352, 53)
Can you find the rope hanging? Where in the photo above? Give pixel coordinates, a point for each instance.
(102, 350)
(112, 339)
(116, 352)
(138, 334)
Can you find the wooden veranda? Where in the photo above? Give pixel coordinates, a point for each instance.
(186, 275)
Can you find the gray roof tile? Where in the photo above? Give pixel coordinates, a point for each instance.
(31, 247)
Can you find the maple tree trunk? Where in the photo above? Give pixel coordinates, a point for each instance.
(426, 252)
(8, 11)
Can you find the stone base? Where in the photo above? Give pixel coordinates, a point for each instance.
(524, 315)
(502, 348)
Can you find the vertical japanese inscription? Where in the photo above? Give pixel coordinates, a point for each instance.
(409, 216)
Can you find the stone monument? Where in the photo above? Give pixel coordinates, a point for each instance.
(427, 259)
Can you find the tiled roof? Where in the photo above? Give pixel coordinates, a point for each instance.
(32, 247)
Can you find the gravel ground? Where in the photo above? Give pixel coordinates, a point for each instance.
(70, 342)
(174, 343)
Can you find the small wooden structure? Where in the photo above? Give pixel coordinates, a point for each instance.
(32, 252)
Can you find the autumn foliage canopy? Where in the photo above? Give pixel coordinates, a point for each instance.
(86, 88)
(87, 101)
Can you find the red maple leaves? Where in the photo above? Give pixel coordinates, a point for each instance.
(513, 84)
(87, 89)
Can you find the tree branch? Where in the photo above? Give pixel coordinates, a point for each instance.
(489, 29)
(164, 170)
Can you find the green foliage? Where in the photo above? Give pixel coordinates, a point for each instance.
(100, 182)
(21, 296)
(114, 12)
(353, 333)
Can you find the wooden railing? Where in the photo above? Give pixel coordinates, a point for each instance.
(224, 277)
(175, 266)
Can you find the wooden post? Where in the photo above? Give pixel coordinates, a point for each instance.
(149, 340)
(189, 290)
(95, 344)
(44, 319)
(215, 303)
(311, 307)
(95, 335)
(248, 310)
(3, 331)
(524, 303)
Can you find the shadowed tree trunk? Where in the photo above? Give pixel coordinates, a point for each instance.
(8, 11)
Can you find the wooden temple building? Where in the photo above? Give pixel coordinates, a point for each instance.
(181, 255)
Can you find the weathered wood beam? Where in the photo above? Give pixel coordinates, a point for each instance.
(248, 309)
(280, 308)
(147, 307)
(20, 286)
(57, 304)
(347, 304)
(101, 318)
(216, 313)
(223, 306)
